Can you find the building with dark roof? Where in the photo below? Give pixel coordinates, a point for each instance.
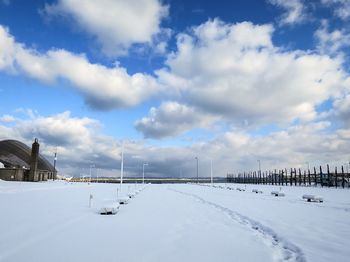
(22, 163)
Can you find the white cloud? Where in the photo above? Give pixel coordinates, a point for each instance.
(7, 49)
(342, 109)
(102, 87)
(80, 142)
(234, 71)
(172, 119)
(7, 118)
(294, 11)
(341, 7)
(331, 42)
(117, 24)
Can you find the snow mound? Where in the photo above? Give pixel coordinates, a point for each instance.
(123, 200)
(313, 198)
(277, 194)
(109, 209)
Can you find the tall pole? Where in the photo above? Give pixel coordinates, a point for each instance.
(197, 168)
(211, 171)
(90, 172)
(122, 168)
(143, 172)
(54, 165)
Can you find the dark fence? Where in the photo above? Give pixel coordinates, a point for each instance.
(294, 177)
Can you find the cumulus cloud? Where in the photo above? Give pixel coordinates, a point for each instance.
(7, 118)
(103, 87)
(172, 119)
(236, 72)
(341, 7)
(342, 109)
(294, 11)
(116, 24)
(331, 42)
(80, 142)
(291, 147)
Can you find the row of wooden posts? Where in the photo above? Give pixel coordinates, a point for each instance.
(295, 177)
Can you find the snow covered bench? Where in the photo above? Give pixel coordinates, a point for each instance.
(240, 189)
(123, 200)
(277, 194)
(257, 191)
(109, 209)
(313, 198)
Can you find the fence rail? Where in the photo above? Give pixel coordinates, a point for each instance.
(294, 177)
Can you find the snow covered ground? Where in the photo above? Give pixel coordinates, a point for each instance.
(52, 221)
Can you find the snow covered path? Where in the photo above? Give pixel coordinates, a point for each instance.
(282, 249)
(52, 222)
(318, 231)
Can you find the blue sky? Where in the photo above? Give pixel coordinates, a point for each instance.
(178, 79)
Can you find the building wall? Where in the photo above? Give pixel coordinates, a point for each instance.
(12, 174)
(19, 174)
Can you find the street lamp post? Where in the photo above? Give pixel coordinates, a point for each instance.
(122, 167)
(143, 172)
(197, 168)
(91, 166)
(211, 172)
(54, 165)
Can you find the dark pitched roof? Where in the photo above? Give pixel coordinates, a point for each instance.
(16, 153)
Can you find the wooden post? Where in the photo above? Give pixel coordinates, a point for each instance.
(291, 177)
(295, 176)
(315, 176)
(256, 178)
(299, 177)
(321, 176)
(336, 177)
(342, 177)
(328, 176)
(262, 178)
(286, 177)
(279, 177)
(282, 176)
(304, 180)
(309, 177)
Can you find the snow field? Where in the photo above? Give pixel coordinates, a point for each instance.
(52, 221)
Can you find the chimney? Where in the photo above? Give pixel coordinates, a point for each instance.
(33, 174)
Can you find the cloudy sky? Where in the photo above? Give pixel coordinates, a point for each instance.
(229, 81)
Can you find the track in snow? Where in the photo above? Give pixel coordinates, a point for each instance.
(283, 249)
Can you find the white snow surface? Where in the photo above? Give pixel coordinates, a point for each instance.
(52, 221)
